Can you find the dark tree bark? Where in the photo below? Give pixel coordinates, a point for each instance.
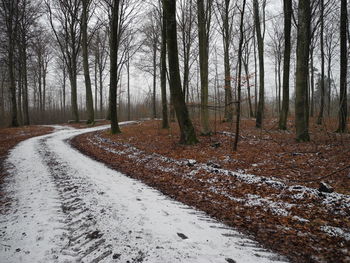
(84, 27)
(238, 113)
(204, 17)
(288, 10)
(163, 70)
(343, 114)
(154, 98)
(114, 67)
(188, 135)
(260, 110)
(9, 10)
(320, 115)
(226, 35)
(303, 44)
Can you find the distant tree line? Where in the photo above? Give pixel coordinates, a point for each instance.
(210, 54)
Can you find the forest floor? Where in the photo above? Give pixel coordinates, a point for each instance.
(270, 188)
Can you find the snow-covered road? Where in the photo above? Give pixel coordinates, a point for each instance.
(67, 207)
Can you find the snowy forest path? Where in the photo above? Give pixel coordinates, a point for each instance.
(66, 207)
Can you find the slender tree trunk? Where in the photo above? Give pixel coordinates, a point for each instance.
(19, 93)
(100, 72)
(329, 85)
(203, 25)
(260, 112)
(255, 80)
(89, 98)
(312, 99)
(128, 84)
(163, 70)
(246, 69)
(26, 120)
(238, 113)
(11, 66)
(40, 81)
(74, 96)
(188, 135)
(114, 68)
(227, 66)
(95, 82)
(287, 6)
(320, 115)
(343, 108)
(303, 43)
(154, 100)
(44, 86)
(64, 89)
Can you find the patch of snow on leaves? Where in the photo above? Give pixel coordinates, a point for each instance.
(336, 231)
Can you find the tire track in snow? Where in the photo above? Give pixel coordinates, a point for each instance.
(86, 242)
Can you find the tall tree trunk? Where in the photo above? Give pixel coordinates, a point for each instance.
(114, 68)
(320, 115)
(312, 97)
(303, 43)
(165, 121)
(154, 101)
(235, 145)
(11, 66)
(260, 112)
(40, 81)
(44, 85)
(89, 98)
(95, 82)
(227, 66)
(246, 69)
(288, 9)
(19, 94)
(329, 93)
(343, 108)
(128, 84)
(26, 120)
(188, 135)
(100, 73)
(255, 79)
(203, 36)
(74, 96)
(64, 88)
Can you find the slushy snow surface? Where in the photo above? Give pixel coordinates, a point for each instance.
(66, 207)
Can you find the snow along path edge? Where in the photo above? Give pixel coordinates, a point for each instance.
(58, 191)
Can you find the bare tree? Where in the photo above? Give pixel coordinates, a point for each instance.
(85, 14)
(343, 68)
(288, 11)
(303, 44)
(9, 15)
(64, 17)
(163, 73)
(99, 46)
(225, 14)
(188, 135)
(186, 20)
(114, 43)
(240, 46)
(260, 40)
(204, 13)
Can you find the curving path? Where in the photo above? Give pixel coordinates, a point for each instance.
(67, 207)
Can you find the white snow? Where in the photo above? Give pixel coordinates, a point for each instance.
(60, 196)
